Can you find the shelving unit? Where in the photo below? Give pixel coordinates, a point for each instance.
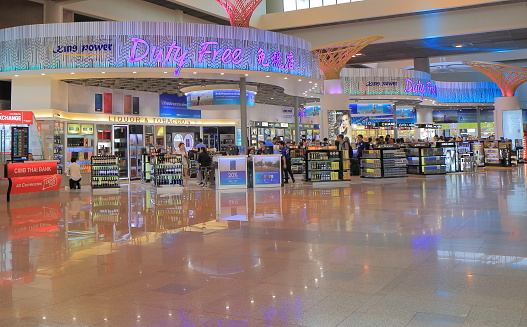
(136, 143)
(297, 159)
(346, 165)
(492, 153)
(426, 161)
(383, 163)
(104, 172)
(120, 149)
(146, 172)
(323, 165)
(167, 170)
(58, 145)
(79, 144)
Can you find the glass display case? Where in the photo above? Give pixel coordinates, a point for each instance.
(120, 148)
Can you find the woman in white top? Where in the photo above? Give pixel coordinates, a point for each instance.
(184, 161)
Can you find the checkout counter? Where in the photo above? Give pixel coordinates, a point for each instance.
(29, 180)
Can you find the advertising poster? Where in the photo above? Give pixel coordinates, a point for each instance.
(311, 111)
(267, 170)
(512, 124)
(173, 105)
(371, 108)
(233, 171)
(339, 123)
(445, 116)
(486, 115)
(467, 116)
(217, 97)
(98, 102)
(87, 129)
(16, 117)
(108, 103)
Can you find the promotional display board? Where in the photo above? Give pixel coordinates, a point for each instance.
(153, 44)
(33, 184)
(267, 170)
(513, 124)
(339, 123)
(217, 98)
(231, 172)
(371, 108)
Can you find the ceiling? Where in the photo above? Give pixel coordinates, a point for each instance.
(266, 94)
(496, 41)
(189, 11)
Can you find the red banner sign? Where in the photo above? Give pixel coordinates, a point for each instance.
(16, 117)
(34, 168)
(33, 184)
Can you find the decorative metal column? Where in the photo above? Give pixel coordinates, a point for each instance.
(508, 78)
(333, 57)
(239, 11)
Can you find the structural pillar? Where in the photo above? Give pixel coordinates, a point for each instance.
(331, 102)
(243, 111)
(422, 64)
(297, 121)
(395, 128)
(478, 115)
(53, 13)
(502, 104)
(424, 116)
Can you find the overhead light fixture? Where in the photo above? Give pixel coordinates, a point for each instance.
(458, 45)
(103, 72)
(165, 72)
(134, 72)
(42, 74)
(16, 75)
(246, 75)
(72, 73)
(194, 73)
(222, 73)
(285, 77)
(359, 54)
(267, 76)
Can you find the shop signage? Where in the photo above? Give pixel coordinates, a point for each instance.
(384, 124)
(155, 44)
(150, 120)
(411, 125)
(31, 169)
(429, 126)
(16, 117)
(34, 184)
(428, 89)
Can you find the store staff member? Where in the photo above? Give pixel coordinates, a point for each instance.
(30, 157)
(361, 145)
(286, 162)
(200, 144)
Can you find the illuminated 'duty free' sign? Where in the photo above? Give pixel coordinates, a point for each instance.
(153, 44)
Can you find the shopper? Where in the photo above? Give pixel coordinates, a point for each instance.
(381, 140)
(343, 144)
(184, 161)
(286, 163)
(204, 162)
(268, 141)
(360, 145)
(261, 147)
(200, 144)
(73, 171)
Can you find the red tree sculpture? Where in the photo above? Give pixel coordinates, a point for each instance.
(239, 11)
(508, 78)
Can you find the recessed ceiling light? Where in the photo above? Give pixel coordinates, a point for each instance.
(458, 45)
(42, 74)
(16, 75)
(222, 73)
(72, 73)
(300, 80)
(310, 82)
(165, 72)
(353, 56)
(359, 54)
(103, 72)
(272, 98)
(267, 76)
(194, 73)
(246, 74)
(134, 72)
(285, 77)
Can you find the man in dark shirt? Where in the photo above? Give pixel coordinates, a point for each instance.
(361, 145)
(204, 161)
(286, 162)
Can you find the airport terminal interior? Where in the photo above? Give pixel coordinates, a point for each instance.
(427, 229)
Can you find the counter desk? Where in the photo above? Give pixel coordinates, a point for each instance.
(29, 180)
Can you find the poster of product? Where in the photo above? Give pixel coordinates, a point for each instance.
(445, 116)
(339, 123)
(512, 124)
(467, 116)
(233, 171)
(371, 108)
(217, 97)
(267, 170)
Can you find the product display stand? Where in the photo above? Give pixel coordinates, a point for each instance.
(383, 163)
(167, 170)
(104, 172)
(425, 160)
(146, 170)
(323, 164)
(346, 165)
(297, 159)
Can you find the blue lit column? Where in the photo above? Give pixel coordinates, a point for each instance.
(243, 111)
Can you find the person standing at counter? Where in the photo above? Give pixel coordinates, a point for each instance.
(361, 145)
(204, 162)
(184, 161)
(200, 144)
(286, 162)
(73, 171)
(30, 157)
(261, 147)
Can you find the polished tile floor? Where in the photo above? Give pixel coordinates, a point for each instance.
(438, 251)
